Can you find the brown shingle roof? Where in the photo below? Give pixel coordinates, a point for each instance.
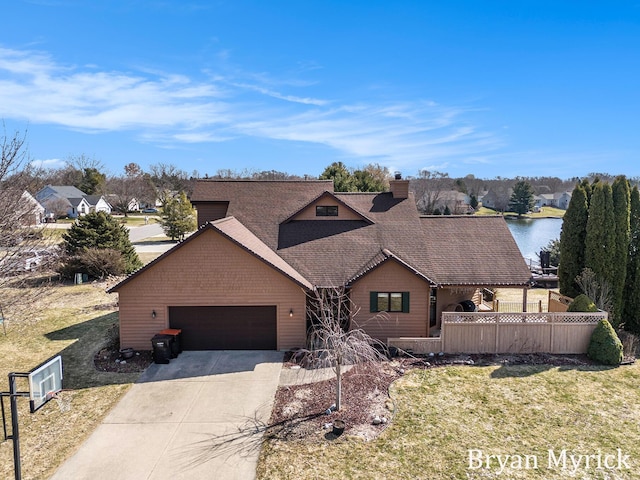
(473, 250)
(443, 250)
(261, 205)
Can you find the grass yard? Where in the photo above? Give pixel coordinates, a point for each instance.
(71, 320)
(545, 212)
(522, 410)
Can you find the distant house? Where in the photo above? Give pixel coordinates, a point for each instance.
(497, 198)
(67, 200)
(30, 211)
(458, 202)
(557, 200)
(97, 203)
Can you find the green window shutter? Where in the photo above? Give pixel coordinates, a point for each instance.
(405, 302)
(373, 301)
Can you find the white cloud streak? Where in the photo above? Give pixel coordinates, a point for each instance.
(173, 109)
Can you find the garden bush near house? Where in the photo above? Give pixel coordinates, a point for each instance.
(605, 346)
(582, 303)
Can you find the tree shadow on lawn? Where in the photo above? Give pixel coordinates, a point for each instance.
(523, 370)
(77, 359)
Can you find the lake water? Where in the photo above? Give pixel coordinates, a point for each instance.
(532, 235)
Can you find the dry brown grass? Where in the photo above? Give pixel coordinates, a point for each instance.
(71, 320)
(442, 413)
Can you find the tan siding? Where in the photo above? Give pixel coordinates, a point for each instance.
(344, 213)
(448, 298)
(208, 270)
(392, 277)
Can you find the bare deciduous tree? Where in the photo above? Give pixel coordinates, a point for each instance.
(428, 188)
(23, 240)
(333, 340)
(597, 290)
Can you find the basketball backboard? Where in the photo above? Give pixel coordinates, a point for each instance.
(44, 382)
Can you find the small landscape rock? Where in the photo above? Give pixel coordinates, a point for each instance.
(401, 371)
(383, 419)
(376, 420)
(431, 354)
(327, 426)
(327, 411)
(117, 360)
(295, 367)
(123, 362)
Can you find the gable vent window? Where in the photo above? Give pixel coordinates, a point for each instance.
(326, 210)
(390, 302)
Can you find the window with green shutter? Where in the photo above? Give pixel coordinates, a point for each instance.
(395, 302)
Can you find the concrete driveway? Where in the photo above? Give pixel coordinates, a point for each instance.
(197, 417)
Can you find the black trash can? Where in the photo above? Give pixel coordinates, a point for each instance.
(161, 346)
(176, 344)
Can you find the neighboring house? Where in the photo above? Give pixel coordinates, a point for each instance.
(242, 281)
(30, 211)
(497, 198)
(61, 200)
(558, 200)
(458, 202)
(97, 203)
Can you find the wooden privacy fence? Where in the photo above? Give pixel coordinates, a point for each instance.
(558, 333)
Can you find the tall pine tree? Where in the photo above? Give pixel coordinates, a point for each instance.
(572, 241)
(178, 217)
(620, 194)
(600, 246)
(99, 230)
(631, 295)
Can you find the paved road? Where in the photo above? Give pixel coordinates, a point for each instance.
(144, 231)
(194, 418)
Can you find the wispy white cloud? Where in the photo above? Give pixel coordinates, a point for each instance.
(168, 108)
(48, 163)
(280, 96)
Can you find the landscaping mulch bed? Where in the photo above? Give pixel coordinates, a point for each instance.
(300, 411)
(110, 359)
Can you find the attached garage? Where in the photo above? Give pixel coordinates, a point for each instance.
(226, 327)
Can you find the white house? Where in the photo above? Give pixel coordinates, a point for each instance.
(68, 200)
(97, 203)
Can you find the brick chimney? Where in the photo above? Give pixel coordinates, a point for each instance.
(399, 188)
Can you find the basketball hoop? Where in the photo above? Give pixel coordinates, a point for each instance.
(62, 399)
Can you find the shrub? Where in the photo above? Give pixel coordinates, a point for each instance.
(96, 262)
(582, 303)
(605, 346)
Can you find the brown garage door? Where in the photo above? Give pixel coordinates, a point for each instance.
(225, 328)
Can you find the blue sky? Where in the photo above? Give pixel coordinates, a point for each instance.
(489, 88)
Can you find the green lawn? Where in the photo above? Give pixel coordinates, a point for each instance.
(443, 414)
(544, 212)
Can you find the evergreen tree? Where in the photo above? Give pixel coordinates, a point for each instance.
(178, 217)
(522, 199)
(600, 244)
(620, 194)
(572, 242)
(372, 178)
(99, 230)
(343, 181)
(631, 295)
